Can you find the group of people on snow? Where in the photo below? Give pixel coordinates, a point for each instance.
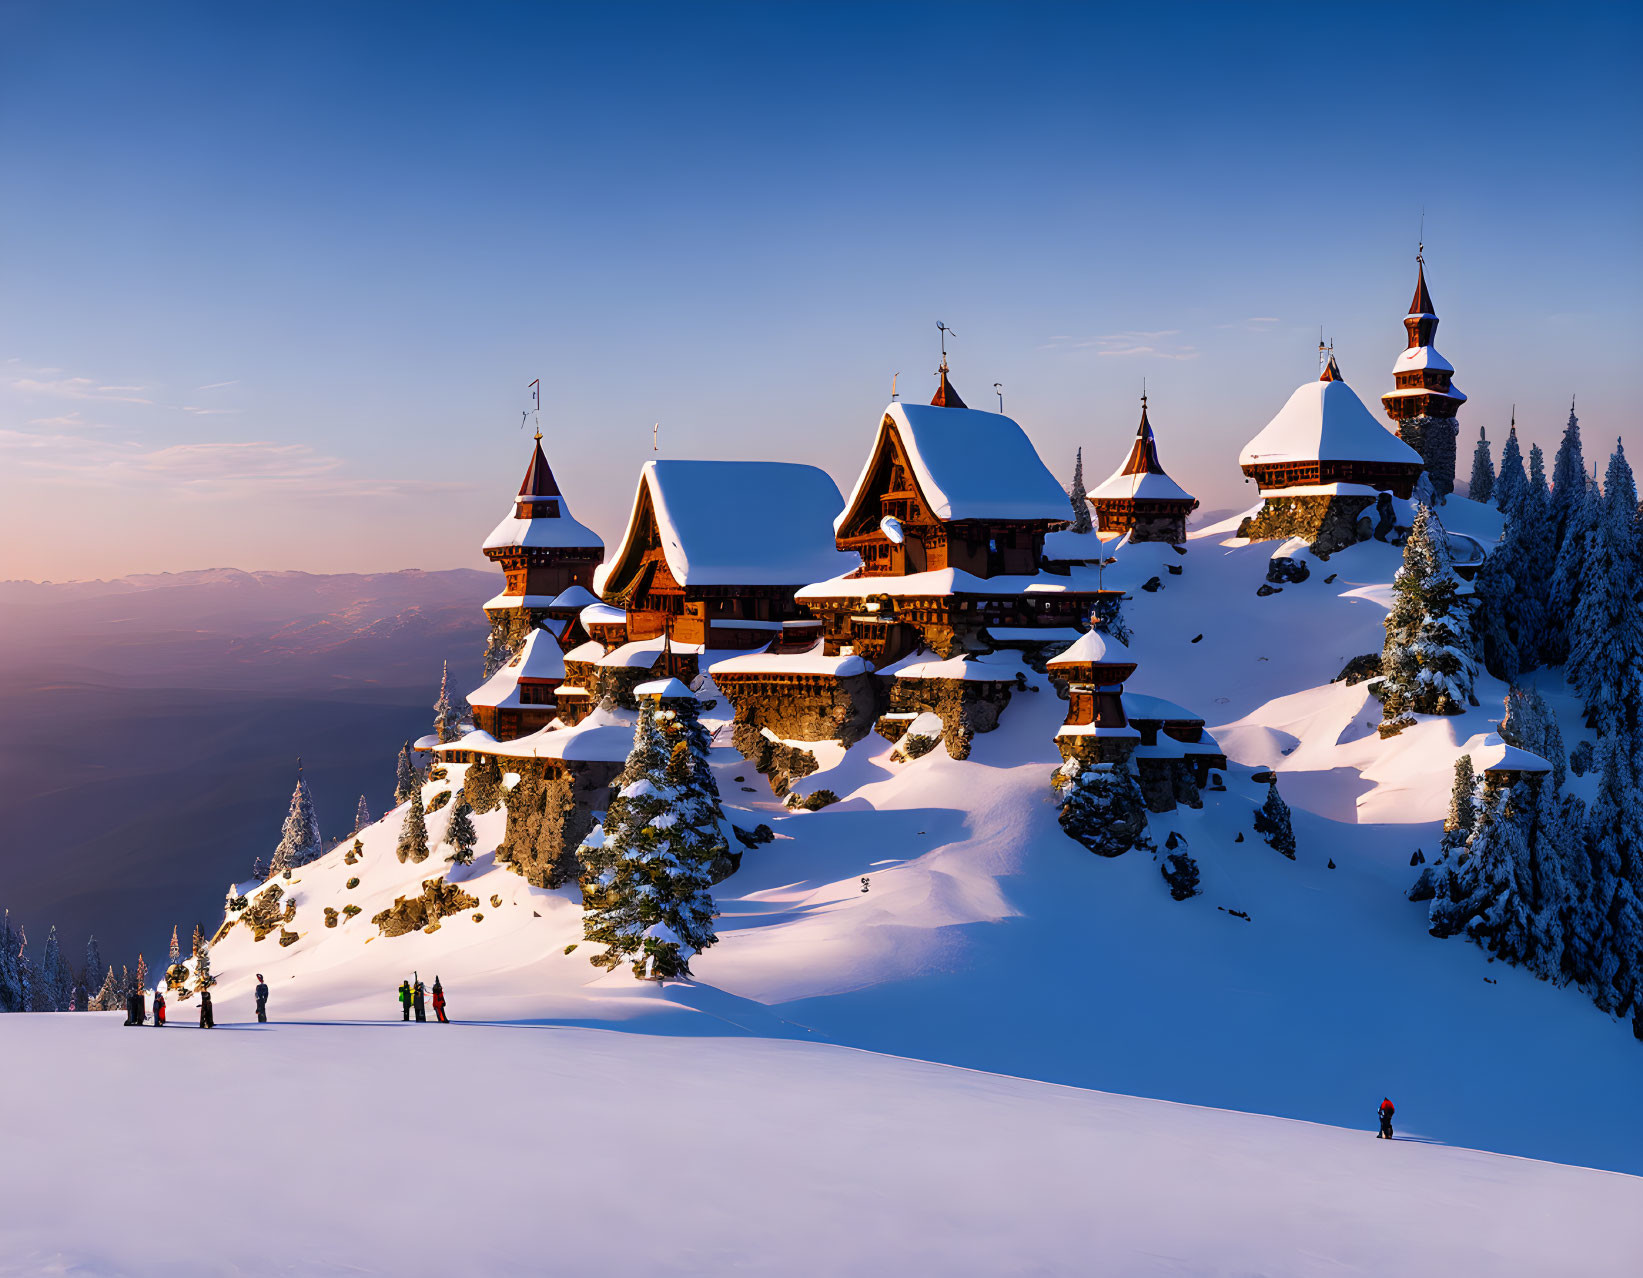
(412, 998)
(137, 1011)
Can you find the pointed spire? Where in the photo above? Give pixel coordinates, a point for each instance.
(946, 396)
(1332, 370)
(1143, 458)
(1422, 303)
(539, 480)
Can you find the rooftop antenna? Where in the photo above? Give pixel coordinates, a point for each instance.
(655, 438)
(1420, 244)
(894, 396)
(944, 332)
(536, 389)
(999, 387)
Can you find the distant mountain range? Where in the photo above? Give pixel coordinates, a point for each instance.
(155, 723)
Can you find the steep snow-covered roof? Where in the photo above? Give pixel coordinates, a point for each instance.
(667, 689)
(603, 737)
(1418, 357)
(738, 523)
(542, 531)
(1138, 705)
(1141, 475)
(952, 581)
(540, 658)
(601, 614)
(577, 597)
(1068, 547)
(1325, 421)
(1494, 755)
(968, 464)
(812, 661)
(1089, 647)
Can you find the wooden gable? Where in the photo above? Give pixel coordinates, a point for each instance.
(642, 569)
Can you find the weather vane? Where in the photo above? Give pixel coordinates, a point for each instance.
(944, 332)
(999, 387)
(535, 389)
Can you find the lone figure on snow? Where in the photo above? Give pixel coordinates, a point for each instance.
(405, 998)
(1386, 1111)
(159, 1008)
(418, 1001)
(439, 1002)
(207, 1020)
(262, 999)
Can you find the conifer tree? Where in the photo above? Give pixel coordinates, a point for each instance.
(1427, 663)
(1568, 478)
(1511, 480)
(646, 896)
(299, 838)
(1504, 602)
(94, 961)
(176, 953)
(482, 784)
(199, 940)
(362, 815)
(56, 979)
(127, 987)
(1079, 498)
(1530, 725)
(142, 975)
(1482, 487)
(460, 834)
(1102, 807)
(11, 994)
(408, 777)
(1606, 639)
(498, 649)
(413, 831)
(447, 722)
(1569, 575)
(259, 870)
(1485, 894)
(1457, 828)
(1272, 821)
(27, 979)
(108, 997)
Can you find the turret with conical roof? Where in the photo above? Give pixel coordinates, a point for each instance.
(946, 396)
(1139, 497)
(1425, 399)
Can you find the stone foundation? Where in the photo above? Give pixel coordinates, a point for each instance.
(615, 684)
(1090, 750)
(1327, 523)
(781, 764)
(1434, 439)
(549, 815)
(965, 706)
(805, 708)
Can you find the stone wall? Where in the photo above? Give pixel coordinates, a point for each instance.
(615, 683)
(966, 706)
(549, 816)
(841, 708)
(1434, 439)
(1327, 523)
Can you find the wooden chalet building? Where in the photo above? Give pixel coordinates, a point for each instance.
(948, 517)
(1425, 400)
(714, 551)
(1139, 498)
(519, 698)
(1095, 730)
(541, 550)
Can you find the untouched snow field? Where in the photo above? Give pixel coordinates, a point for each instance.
(385, 1148)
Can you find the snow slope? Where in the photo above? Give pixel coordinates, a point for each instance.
(526, 1148)
(984, 937)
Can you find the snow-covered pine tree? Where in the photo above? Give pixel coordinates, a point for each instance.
(127, 984)
(56, 975)
(28, 980)
(199, 939)
(1569, 575)
(107, 998)
(648, 868)
(362, 815)
(1180, 871)
(142, 975)
(1102, 808)
(1428, 665)
(259, 870)
(482, 784)
(447, 721)
(407, 777)
(460, 834)
(1606, 639)
(11, 991)
(1568, 478)
(1272, 821)
(1614, 834)
(176, 951)
(1482, 487)
(94, 962)
(1107, 618)
(1079, 498)
(1457, 828)
(1510, 480)
(299, 838)
(413, 831)
(1552, 897)
(1530, 725)
(1486, 894)
(1504, 602)
(498, 650)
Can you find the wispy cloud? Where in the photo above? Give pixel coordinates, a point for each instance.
(1153, 344)
(79, 388)
(217, 385)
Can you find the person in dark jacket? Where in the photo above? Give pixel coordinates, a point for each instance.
(262, 999)
(207, 1020)
(439, 1001)
(135, 1013)
(159, 1008)
(1386, 1111)
(405, 999)
(419, 1001)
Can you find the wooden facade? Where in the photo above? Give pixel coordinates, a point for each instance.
(1435, 383)
(1154, 509)
(1397, 478)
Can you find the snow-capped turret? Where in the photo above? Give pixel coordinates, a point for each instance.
(540, 519)
(1140, 498)
(519, 698)
(1425, 398)
(1324, 436)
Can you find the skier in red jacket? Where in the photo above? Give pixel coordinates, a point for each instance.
(1386, 1111)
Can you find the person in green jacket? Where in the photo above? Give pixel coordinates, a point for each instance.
(405, 998)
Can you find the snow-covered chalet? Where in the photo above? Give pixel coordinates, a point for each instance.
(1425, 400)
(1139, 498)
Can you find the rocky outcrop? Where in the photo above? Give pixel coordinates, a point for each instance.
(964, 706)
(550, 812)
(614, 684)
(1282, 569)
(1328, 523)
(409, 914)
(780, 762)
(1362, 667)
(805, 707)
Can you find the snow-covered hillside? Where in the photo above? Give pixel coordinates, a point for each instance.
(529, 1148)
(938, 911)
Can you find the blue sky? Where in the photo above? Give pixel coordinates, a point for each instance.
(274, 280)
